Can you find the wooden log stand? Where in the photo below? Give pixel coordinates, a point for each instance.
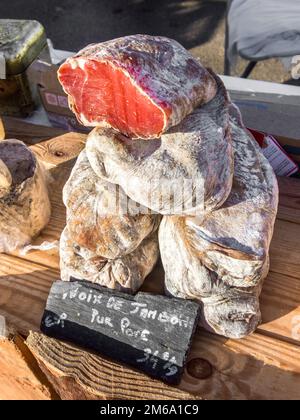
(265, 365)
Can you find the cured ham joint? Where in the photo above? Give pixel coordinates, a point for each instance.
(140, 85)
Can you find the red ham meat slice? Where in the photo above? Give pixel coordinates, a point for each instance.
(140, 85)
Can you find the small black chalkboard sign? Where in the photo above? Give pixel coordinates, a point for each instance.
(149, 332)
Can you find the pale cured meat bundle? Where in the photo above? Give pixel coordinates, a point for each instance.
(230, 311)
(234, 240)
(141, 85)
(187, 171)
(126, 273)
(24, 201)
(234, 314)
(223, 260)
(100, 217)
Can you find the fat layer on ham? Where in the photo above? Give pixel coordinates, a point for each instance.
(188, 170)
(140, 85)
(24, 201)
(100, 217)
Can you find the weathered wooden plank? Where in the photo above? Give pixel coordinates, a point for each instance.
(284, 251)
(280, 306)
(29, 133)
(29, 284)
(78, 374)
(24, 288)
(289, 199)
(20, 376)
(254, 368)
(59, 149)
(150, 332)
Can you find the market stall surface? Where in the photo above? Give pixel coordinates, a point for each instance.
(265, 365)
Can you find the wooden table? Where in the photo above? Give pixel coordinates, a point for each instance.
(265, 365)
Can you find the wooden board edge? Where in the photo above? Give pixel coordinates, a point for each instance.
(78, 374)
(21, 377)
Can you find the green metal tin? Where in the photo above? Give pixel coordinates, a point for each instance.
(21, 43)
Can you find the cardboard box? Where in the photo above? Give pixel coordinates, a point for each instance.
(54, 99)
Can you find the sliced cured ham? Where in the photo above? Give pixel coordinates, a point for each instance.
(187, 171)
(222, 260)
(24, 201)
(126, 273)
(140, 85)
(100, 217)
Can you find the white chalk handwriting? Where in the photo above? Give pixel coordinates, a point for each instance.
(52, 320)
(130, 332)
(153, 358)
(100, 319)
(139, 309)
(88, 297)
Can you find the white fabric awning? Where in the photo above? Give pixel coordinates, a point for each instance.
(260, 29)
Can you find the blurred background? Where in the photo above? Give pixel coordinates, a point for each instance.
(197, 24)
